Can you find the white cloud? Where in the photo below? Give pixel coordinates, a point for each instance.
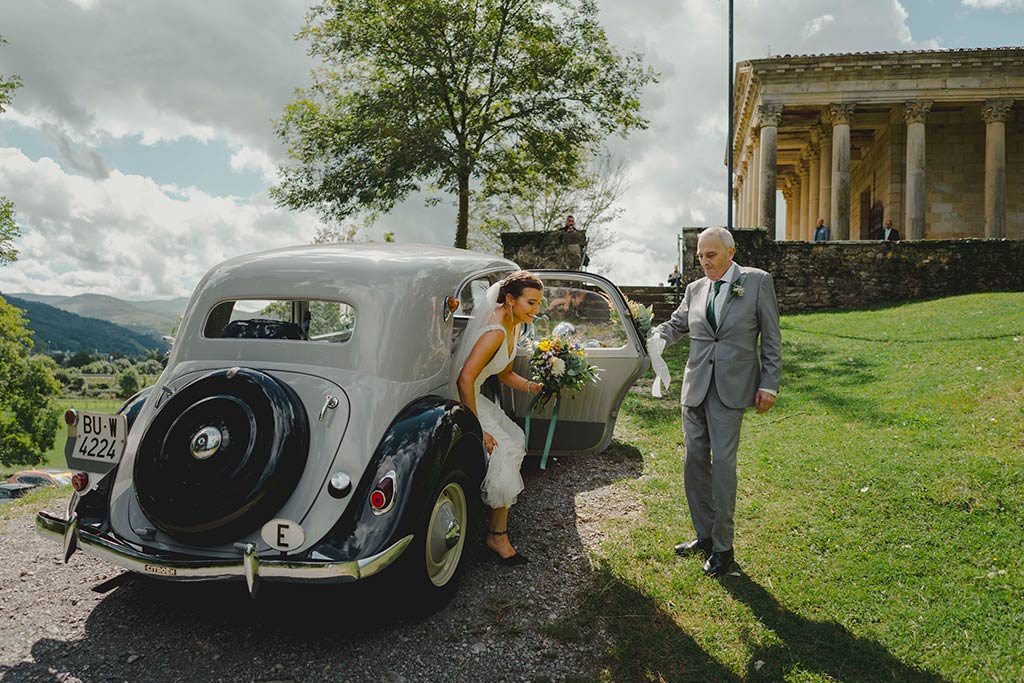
(126, 236)
(815, 25)
(252, 159)
(1008, 5)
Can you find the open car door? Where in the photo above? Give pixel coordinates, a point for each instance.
(600, 318)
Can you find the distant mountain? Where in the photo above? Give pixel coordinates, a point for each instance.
(55, 329)
(156, 317)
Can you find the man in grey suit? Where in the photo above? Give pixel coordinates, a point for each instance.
(724, 314)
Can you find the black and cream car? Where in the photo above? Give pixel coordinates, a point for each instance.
(304, 429)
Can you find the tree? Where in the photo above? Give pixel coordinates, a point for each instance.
(9, 230)
(127, 383)
(28, 413)
(442, 92)
(539, 202)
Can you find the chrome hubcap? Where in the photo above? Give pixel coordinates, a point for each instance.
(445, 540)
(206, 442)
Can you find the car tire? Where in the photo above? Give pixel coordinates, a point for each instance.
(221, 456)
(433, 564)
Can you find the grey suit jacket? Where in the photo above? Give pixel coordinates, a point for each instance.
(730, 356)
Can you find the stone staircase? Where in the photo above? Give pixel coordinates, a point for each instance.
(663, 299)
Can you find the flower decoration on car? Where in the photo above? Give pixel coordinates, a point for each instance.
(643, 315)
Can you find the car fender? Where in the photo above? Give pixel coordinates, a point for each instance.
(417, 446)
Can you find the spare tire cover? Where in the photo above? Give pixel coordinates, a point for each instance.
(221, 456)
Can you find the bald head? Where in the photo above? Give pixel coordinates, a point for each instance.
(715, 249)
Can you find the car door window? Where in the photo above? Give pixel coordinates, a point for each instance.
(580, 310)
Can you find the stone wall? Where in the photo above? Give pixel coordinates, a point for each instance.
(846, 275)
(955, 174)
(555, 249)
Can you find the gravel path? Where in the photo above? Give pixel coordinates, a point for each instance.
(53, 627)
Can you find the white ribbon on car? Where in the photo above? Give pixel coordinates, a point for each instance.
(655, 345)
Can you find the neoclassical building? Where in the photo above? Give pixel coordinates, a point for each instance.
(933, 140)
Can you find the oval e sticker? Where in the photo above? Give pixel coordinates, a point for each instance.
(283, 534)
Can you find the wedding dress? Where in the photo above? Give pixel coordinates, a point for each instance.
(503, 482)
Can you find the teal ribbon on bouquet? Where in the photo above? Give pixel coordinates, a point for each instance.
(551, 427)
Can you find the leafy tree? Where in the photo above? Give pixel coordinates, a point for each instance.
(441, 92)
(128, 384)
(28, 413)
(539, 202)
(9, 230)
(79, 359)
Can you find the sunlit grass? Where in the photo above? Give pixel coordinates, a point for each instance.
(880, 517)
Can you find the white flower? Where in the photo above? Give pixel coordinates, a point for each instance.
(557, 367)
(737, 290)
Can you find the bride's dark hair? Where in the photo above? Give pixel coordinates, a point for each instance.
(516, 282)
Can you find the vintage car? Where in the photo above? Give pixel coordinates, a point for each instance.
(304, 429)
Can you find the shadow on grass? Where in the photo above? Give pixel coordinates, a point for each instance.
(824, 378)
(821, 647)
(645, 643)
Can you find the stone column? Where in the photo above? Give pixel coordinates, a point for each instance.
(755, 178)
(915, 114)
(841, 115)
(741, 211)
(813, 173)
(995, 113)
(736, 200)
(825, 175)
(787, 194)
(770, 116)
(802, 232)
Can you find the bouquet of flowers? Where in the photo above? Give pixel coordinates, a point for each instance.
(560, 364)
(643, 315)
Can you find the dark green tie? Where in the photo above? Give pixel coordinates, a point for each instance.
(711, 305)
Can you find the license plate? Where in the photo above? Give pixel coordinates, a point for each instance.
(99, 437)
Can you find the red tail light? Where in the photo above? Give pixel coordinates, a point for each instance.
(383, 496)
(70, 416)
(80, 481)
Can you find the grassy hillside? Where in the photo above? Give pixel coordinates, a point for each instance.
(879, 522)
(53, 328)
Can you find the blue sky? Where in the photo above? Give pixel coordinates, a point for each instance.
(140, 149)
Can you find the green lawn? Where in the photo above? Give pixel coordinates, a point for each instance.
(55, 456)
(880, 520)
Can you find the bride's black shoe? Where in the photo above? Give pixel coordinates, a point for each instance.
(512, 560)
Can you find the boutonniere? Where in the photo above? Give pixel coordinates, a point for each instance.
(737, 289)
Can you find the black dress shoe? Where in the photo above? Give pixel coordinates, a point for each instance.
(719, 563)
(516, 560)
(697, 545)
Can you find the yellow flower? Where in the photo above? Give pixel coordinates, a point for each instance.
(544, 345)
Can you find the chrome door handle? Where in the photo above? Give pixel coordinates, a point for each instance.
(330, 402)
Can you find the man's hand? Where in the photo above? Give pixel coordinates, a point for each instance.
(763, 401)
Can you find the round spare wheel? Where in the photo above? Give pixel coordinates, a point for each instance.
(221, 456)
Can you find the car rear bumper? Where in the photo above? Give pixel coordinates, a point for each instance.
(248, 566)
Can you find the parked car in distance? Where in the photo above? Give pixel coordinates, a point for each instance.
(10, 492)
(42, 477)
(305, 430)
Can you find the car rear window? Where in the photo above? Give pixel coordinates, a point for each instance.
(331, 322)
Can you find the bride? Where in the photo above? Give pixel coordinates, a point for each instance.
(488, 348)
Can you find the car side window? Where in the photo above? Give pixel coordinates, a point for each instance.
(577, 309)
(310, 321)
(470, 293)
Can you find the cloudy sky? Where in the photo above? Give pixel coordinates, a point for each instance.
(140, 148)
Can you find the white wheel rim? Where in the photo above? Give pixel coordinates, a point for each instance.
(447, 527)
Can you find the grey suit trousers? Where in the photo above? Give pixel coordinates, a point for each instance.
(712, 435)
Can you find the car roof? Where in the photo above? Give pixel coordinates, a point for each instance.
(326, 269)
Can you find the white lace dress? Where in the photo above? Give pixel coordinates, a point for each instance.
(503, 482)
